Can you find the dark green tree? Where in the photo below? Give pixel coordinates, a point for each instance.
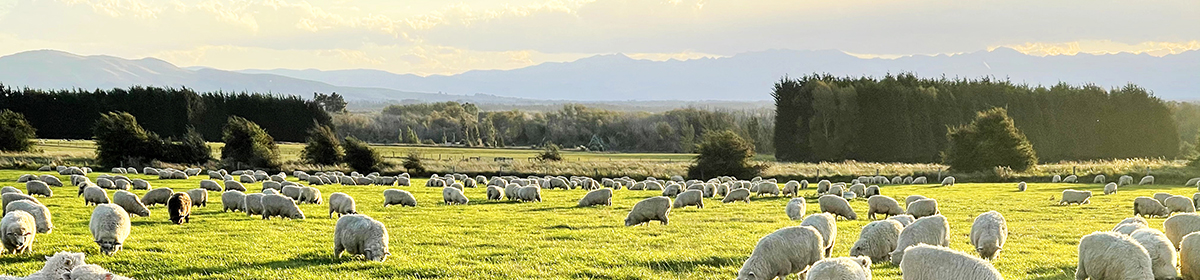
(333, 103)
(193, 149)
(16, 135)
(724, 153)
(989, 141)
(360, 156)
(1195, 154)
(793, 113)
(550, 152)
(248, 145)
(120, 141)
(412, 162)
(322, 146)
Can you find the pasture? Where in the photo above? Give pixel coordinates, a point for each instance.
(552, 239)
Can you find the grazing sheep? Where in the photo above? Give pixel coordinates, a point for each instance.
(1192, 182)
(826, 224)
(41, 214)
(1075, 197)
(234, 185)
(270, 191)
(1179, 225)
(736, 195)
(1162, 253)
(1071, 179)
(923, 208)
(9, 198)
(252, 204)
(1099, 179)
(1148, 180)
(844, 268)
(1109, 255)
(91, 272)
(26, 178)
(912, 198)
(1125, 180)
(651, 209)
(17, 232)
(835, 190)
(179, 208)
(836, 205)
(212, 185)
(1056, 179)
(1110, 188)
(110, 226)
(495, 193)
(796, 208)
(230, 201)
(949, 181)
(310, 195)
(94, 195)
(342, 204)
(157, 196)
(292, 192)
(398, 197)
(823, 186)
(37, 187)
(529, 194)
(1162, 197)
(1131, 224)
(988, 234)
(790, 188)
(859, 190)
(689, 198)
(786, 251)
(140, 184)
(362, 236)
(121, 184)
(1195, 199)
(50, 180)
(904, 220)
(883, 205)
(767, 188)
(130, 203)
(920, 180)
(933, 230)
(199, 197)
(602, 196)
(1145, 206)
(244, 178)
(452, 196)
(511, 190)
(671, 190)
(871, 191)
(1180, 204)
(1021, 186)
(877, 240)
(55, 268)
(280, 206)
(1189, 256)
(925, 262)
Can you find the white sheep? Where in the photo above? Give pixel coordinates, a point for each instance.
(988, 234)
(41, 214)
(790, 188)
(18, 230)
(883, 205)
(1148, 180)
(199, 197)
(91, 272)
(1179, 204)
(923, 208)
(1070, 196)
(140, 184)
(1189, 256)
(398, 197)
(37, 187)
(904, 220)
(651, 209)
(360, 235)
(1021, 186)
(859, 190)
(933, 230)
(280, 206)
(602, 196)
(1162, 197)
(767, 188)
(157, 196)
(1145, 206)
(1192, 182)
(57, 265)
(1125, 180)
(844, 268)
(1110, 188)
(1071, 179)
(26, 178)
(94, 195)
(823, 186)
(925, 262)
(825, 224)
(786, 251)
(836, 205)
(1179, 225)
(310, 195)
(51, 180)
(212, 185)
(230, 201)
(796, 208)
(8, 198)
(1099, 179)
(292, 192)
(1131, 224)
(529, 193)
(235, 186)
(737, 195)
(1110, 255)
(244, 178)
(871, 191)
(1162, 253)
(110, 227)
(948, 181)
(835, 190)
(452, 196)
(130, 203)
(342, 204)
(1056, 179)
(877, 240)
(252, 204)
(495, 193)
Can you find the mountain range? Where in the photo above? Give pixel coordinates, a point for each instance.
(614, 77)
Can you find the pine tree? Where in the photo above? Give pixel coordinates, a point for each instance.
(989, 141)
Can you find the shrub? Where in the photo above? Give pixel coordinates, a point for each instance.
(322, 146)
(16, 135)
(550, 153)
(989, 141)
(724, 153)
(412, 162)
(120, 141)
(360, 156)
(247, 143)
(193, 148)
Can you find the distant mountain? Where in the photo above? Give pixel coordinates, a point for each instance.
(750, 76)
(48, 69)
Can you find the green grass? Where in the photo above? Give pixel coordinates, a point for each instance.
(551, 239)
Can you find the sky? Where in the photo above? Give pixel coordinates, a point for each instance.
(447, 37)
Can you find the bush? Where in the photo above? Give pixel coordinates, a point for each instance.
(989, 141)
(550, 153)
(724, 153)
(248, 146)
(412, 162)
(322, 146)
(120, 141)
(16, 135)
(193, 149)
(360, 156)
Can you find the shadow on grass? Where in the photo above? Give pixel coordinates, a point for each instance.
(597, 275)
(549, 209)
(693, 265)
(1062, 272)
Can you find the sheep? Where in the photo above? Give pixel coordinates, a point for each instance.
(1162, 253)
(130, 203)
(912, 198)
(948, 181)
(826, 224)
(1148, 180)
(1189, 256)
(1129, 225)
(767, 188)
(8, 198)
(179, 208)
(823, 186)
(1021, 186)
(1125, 180)
(55, 268)
(786, 251)
(1109, 255)
(37, 187)
(280, 206)
(1099, 179)
(26, 178)
(199, 197)
(310, 195)
(1145, 206)
(904, 220)
(1056, 179)
(41, 214)
(50, 180)
(689, 198)
(494, 193)
(871, 191)
(920, 180)
(247, 178)
(94, 195)
(157, 196)
(1195, 199)
(398, 197)
(1075, 197)
(859, 190)
(836, 205)
(883, 205)
(1162, 197)
(342, 204)
(737, 195)
(1180, 204)
(1179, 225)
(234, 185)
(1071, 179)
(925, 262)
(603, 196)
(452, 196)
(835, 190)
(18, 230)
(651, 209)
(877, 240)
(140, 184)
(790, 188)
(212, 185)
(796, 208)
(988, 234)
(844, 268)
(511, 190)
(529, 194)
(360, 235)
(292, 192)
(110, 227)
(1110, 188)
(933, 230)
(121, 184)
(91, 272)
(1192, 182)
(923, 208)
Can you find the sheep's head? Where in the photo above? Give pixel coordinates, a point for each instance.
(376, 253)
(298, 215)
(109, 247)
(859, 249)
(63, 262)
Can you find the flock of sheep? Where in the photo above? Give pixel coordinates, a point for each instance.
(914, 237)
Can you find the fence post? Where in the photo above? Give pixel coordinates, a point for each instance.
(1074, 169)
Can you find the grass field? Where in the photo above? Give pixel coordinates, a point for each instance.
(548, 240)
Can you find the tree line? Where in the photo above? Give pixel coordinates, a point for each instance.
(904, 118)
